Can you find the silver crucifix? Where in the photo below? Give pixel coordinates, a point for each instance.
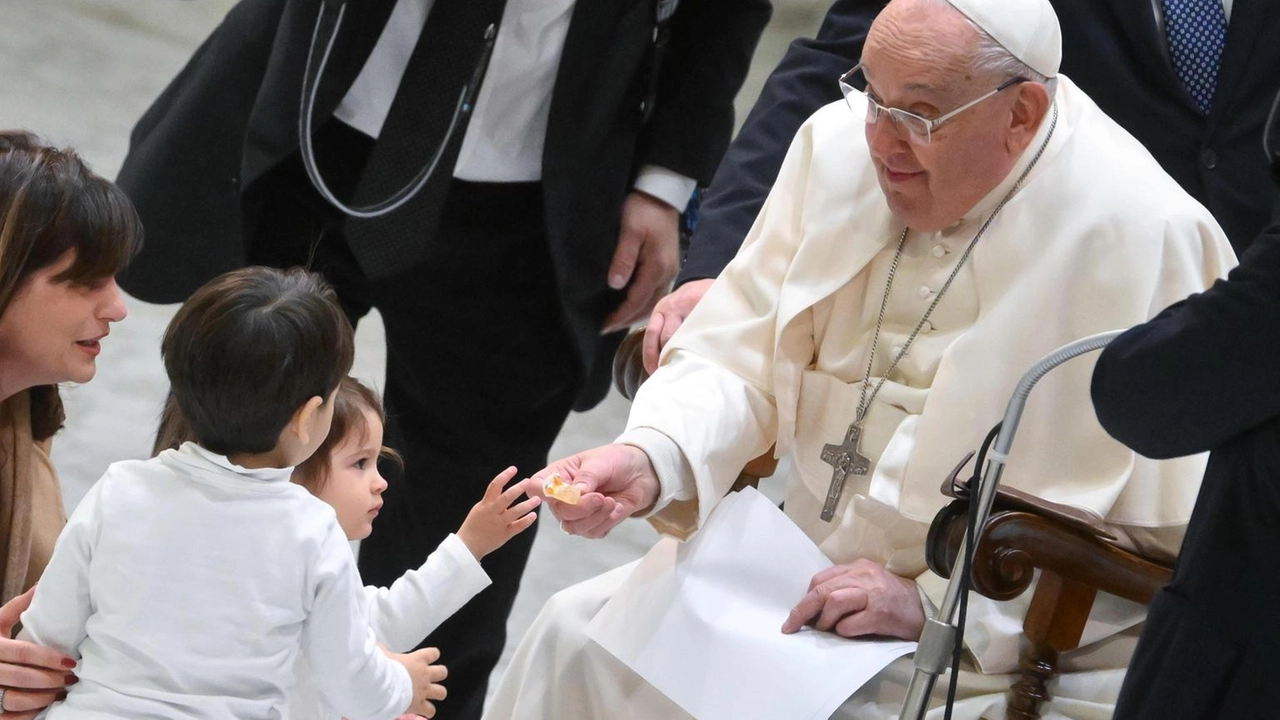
(843, 459)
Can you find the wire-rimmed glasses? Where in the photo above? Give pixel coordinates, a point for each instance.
(919, 129)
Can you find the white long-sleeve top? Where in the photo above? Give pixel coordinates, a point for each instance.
(402, 615)
(186, 586)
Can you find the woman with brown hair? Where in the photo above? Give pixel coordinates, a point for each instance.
(64, 234)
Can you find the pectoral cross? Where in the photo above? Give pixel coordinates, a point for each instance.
(843, 459)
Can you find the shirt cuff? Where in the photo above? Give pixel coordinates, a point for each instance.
(470, 573)
(404, 684)
(668, 186)
(675, 478)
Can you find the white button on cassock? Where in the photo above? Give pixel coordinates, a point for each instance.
(939, 251)
(925, 291)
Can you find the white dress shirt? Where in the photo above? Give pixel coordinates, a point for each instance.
(504, 139)
(186, 586)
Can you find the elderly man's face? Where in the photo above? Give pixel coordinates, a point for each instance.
(915, 59)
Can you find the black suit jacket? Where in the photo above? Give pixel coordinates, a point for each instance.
(1203, 376)
(1111, 48)
(231, 114)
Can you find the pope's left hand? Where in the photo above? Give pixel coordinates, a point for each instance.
(861, 598)
(646, 259)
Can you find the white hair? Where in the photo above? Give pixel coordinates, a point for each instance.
(989, 56)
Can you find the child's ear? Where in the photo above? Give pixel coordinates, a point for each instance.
(301, 423)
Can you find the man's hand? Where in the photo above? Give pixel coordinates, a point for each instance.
(616, 481)
(34, 675)
(861, 598)
(646, 259)
(668, 316)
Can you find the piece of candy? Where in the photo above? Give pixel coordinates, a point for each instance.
(556, 487)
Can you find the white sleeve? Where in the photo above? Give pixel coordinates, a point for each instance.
(62, 604)
(712, 405)
(415, 604)
(675, 477)
(353, 675)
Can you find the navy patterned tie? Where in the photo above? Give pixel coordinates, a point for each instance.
(1197, 32)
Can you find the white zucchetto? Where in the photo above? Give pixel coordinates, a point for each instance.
(1026, 28)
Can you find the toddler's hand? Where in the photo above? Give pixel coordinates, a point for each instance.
(494, 520)
(426, 677)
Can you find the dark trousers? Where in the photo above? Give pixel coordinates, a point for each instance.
(481, 373)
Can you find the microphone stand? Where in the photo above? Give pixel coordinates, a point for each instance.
(933, 654)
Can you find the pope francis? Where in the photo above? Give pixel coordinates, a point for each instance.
(925, 243)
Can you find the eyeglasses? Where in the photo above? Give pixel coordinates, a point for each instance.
(919, 129)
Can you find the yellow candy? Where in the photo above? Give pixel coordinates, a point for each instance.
(556, 487)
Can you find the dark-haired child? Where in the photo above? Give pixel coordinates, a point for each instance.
(187, 585)
(343, 472)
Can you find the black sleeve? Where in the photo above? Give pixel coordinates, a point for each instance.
(1202, 371)
(709, 52)
(804, 81)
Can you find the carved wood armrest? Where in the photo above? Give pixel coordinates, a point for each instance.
(1075, 563)
(1016, 542)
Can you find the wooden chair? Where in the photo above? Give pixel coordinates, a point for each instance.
(1076, 556)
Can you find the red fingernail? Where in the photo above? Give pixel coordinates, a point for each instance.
(71, 680)
(68, 663)
(61, 696)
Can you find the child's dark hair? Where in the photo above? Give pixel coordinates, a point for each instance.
(349, 405)
(51, 203)
(249, 349)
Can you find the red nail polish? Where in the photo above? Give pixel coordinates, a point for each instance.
(61, 696)
(68, 663)
(71, 680)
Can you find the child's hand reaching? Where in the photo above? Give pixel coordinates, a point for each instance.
(426, 677)
(494, 520)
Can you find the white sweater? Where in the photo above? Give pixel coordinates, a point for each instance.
(402, 615)
(186, 586)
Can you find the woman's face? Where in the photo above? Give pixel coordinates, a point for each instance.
(353, 485)
(52, 331)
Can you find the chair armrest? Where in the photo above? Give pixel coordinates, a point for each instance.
(628, 364)
(1015, 543)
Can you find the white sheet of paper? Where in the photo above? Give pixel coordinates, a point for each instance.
(701, 621)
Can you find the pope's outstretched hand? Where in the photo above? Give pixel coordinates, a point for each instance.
(616, 482)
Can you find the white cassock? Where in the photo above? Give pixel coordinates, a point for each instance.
(1096, 238)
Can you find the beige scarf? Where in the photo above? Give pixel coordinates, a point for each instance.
(31, 511)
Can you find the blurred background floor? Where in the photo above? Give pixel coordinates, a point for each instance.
(80, 73)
